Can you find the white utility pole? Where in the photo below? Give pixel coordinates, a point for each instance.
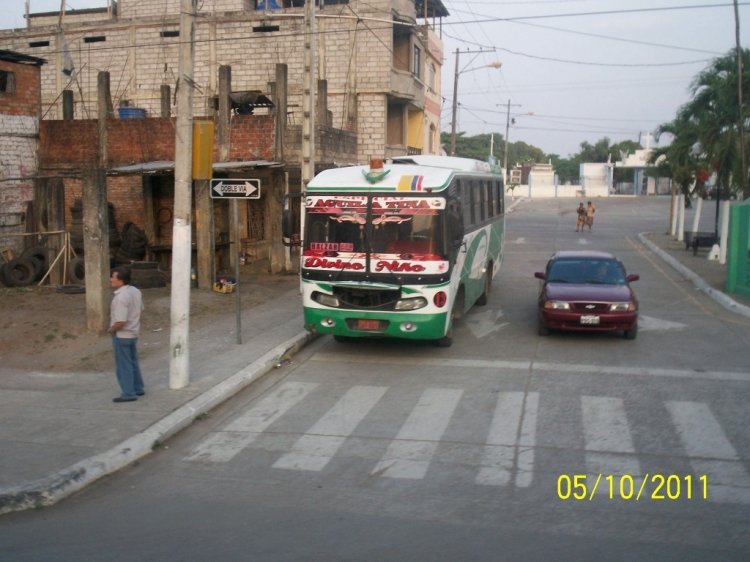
(309, 86)
(179, 358)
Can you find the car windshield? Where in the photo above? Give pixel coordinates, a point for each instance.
(588, 270)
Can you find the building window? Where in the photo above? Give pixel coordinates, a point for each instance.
(7, 82)
(417, 62)
(431, 73)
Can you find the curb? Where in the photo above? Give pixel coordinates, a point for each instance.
(722, 298)
(47, 491)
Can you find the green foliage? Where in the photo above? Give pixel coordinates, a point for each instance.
(706, 131)
(478, 147)
(567, 169)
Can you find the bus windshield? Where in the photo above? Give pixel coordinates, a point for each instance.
(408, 225)
(400, 225)
(336, 224)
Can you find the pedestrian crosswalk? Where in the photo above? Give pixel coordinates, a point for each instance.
(504, 444)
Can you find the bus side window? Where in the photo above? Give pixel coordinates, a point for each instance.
(467, 203)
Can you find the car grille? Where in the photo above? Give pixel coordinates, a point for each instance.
(589, 307)
(366, 299)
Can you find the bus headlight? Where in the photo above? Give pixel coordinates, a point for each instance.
(411, 304)
(326, 300)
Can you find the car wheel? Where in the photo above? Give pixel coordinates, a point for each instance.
(542, 328)
(342, 339)
(632, 333)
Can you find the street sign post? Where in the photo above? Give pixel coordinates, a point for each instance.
(235, 189)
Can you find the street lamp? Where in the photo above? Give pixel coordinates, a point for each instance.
(495, 64)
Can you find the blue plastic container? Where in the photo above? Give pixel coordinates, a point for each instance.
(131, 112)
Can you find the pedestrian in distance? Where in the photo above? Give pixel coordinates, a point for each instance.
(124, 325)
(580, 216)
(590, 211)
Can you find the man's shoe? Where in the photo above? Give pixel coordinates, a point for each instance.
(141, 393)
(121, 399)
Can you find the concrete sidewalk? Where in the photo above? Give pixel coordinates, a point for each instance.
(60, 432)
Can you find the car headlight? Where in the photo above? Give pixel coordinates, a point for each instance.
(622, 307)
(326, 300)
(410, 304)
(556, 305)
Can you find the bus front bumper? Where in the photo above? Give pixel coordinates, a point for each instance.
(359, 324)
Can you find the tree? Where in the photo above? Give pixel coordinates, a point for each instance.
(710, 121)
(680, 160)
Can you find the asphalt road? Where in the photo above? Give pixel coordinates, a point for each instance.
(506, 445)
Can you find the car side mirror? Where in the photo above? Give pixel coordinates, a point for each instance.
(633, 277)
(540, 275)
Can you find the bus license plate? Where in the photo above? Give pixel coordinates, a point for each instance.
(589, 319)
(368, 325)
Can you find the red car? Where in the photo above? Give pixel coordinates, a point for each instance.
(587, 291)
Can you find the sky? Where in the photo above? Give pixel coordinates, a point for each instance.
(572, 70)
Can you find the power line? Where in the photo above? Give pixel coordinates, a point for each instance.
(489, 19)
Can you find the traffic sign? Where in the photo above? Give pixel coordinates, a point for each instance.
(235, 189)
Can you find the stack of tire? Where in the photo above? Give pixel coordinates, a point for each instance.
(132, 246)
(29, 268)
(76, 229)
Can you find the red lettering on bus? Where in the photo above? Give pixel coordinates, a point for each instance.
(395, 267)
(330, 264)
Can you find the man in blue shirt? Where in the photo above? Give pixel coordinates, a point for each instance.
(124, 325)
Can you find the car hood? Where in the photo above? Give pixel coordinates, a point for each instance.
(588, 292)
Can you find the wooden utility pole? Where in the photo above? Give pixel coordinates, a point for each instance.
(745, 181)
(166, 100)
(179, 363)
(96, 221)
(309, 86)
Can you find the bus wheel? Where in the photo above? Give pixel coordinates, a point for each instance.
(446, 340)
(484, 297)
(456, 314)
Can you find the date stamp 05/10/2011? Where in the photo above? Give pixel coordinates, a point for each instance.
(656, 487)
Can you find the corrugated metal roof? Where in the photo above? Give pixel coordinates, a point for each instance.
(20, 58)
(162, 166)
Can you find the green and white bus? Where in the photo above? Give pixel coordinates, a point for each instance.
(400, 249)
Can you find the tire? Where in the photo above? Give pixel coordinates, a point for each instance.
(342, 339)
(77, 271)
(456, 314)
(19, 272)
(40, 255)
(71, 289)
(484, 297)
(632, 333)
(541, 328)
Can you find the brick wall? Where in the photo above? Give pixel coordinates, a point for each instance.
(19, 128)
(252, 137)
(356, 61)
(25, 99)
(67, 146)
